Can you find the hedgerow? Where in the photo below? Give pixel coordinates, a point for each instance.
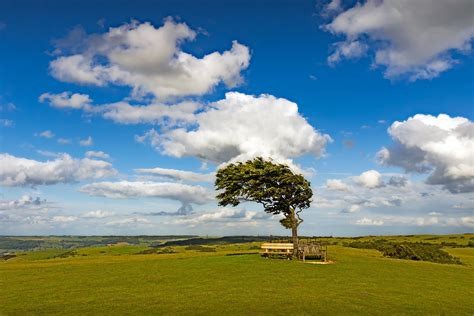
(407, 250)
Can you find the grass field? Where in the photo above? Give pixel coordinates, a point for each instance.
(117, 280)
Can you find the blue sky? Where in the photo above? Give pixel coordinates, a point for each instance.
(350, 74)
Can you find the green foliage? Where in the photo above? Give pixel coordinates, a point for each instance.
(200, 248)
(407, 250)
(161, 251)
(273, 185)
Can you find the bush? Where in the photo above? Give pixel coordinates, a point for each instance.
(200, 248)
(161, 251)
(407, 250)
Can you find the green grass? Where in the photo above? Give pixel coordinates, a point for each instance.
(115, 280)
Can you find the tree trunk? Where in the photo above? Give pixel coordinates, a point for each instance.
(294, 232)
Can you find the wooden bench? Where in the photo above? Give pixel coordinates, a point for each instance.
(312, 250)
(277, 249)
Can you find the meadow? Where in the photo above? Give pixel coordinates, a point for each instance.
(226, 277)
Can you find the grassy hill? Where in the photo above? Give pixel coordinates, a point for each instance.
(227, 278)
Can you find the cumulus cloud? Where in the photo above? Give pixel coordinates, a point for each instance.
(66, 100)
(147, 59)
(186, 194)
(16, 171)
(441, 29)
(97, 154)
(25, 201)
(397, 181)
(177, 174)
(86, 142)
(336, 185)
(369, 179)
(441, 146)
(240, 127)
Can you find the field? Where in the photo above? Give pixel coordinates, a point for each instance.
(231, 278)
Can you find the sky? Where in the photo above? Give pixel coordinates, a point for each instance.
(115, 117)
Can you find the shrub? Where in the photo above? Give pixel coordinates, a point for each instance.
(200, 248)
(161, 251)
(407, 250)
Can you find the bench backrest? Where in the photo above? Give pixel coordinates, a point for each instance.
(313, 249)
(277, 246)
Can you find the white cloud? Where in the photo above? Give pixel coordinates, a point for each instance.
(352, 209)
(223, 215)
(46, 134)
(129, 222)
(66, 100)
(6, 123)
(442, 146)
(414, 38)
(97, 154)
(177, 174)
(369, 179)
(23, 202)
(240, 127)
(86, 142)
(336, 185)
(464, 206)
(184, 193)
(155, 113)
(149, 60)
(64, 141)
(16, 171)
(64, 219)
(97, 214)
(369, 222)
(347, 50)
(125, 113)
(334, 5)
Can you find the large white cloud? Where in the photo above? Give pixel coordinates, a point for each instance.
(147, 59)
(243, 126)
(441, 145)
(184, 193)
(17, 171)
(369, 179)
(410, 37)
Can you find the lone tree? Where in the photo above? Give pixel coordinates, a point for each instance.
(275, 186)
